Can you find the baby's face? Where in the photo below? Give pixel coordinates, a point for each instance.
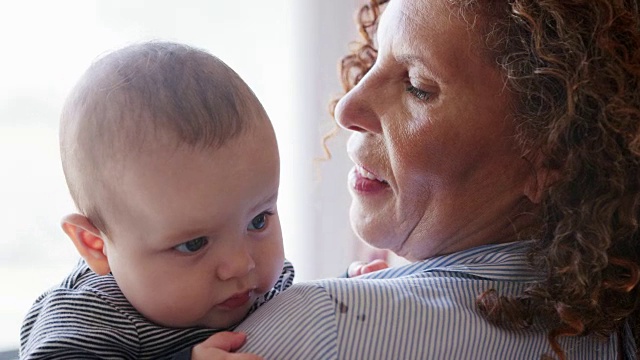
(195, 236)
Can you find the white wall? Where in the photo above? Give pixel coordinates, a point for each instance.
(320, 243)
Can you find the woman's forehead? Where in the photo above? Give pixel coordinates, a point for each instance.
(428, 33)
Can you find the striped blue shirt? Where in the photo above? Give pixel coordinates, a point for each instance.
(424, 310)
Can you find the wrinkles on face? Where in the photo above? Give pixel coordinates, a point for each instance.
(456, 178)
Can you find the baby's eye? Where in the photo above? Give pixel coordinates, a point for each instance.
(192, 246)
(259, 222)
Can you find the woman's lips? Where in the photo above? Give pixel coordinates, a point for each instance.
(236, 300)
(364, 181)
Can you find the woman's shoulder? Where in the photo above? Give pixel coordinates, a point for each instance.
(298, 323)
(405, 317)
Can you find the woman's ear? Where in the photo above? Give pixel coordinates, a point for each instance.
(88, 240)
(540, 180)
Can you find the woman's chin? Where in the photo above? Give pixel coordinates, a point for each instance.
(376, 235)
(371, 218)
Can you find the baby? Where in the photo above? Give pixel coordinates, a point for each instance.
(173, 165)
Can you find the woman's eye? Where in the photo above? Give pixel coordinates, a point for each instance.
(259, 222)
(192, 246)
(420, 94)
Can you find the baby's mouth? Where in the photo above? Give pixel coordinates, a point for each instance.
(236, 300)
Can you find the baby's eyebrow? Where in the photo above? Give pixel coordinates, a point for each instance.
(268, 200)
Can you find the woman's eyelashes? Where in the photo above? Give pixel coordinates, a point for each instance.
(418, 93)
(193, 245)
(259, 222)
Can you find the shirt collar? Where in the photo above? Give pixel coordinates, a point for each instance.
(507, 261)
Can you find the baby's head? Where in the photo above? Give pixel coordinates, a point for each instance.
(173, 165)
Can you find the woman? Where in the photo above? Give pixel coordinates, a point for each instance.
(482, 132)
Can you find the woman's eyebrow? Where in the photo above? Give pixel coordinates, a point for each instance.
(429, 66)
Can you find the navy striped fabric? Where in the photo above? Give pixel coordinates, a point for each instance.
(88, 317)
(424, 310)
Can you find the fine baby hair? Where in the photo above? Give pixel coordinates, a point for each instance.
(130, 96)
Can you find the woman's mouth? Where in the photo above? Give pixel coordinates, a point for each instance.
(365, 181)
(236, 301)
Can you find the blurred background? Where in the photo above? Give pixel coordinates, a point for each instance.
(286, 50)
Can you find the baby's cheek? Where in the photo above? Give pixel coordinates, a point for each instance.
(175, 302)
(273, 263)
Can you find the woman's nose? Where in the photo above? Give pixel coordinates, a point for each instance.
(235, 263)
(356, 111)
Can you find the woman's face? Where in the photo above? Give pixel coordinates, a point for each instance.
(436, 167)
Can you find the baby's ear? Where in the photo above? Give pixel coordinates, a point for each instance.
(88, 240)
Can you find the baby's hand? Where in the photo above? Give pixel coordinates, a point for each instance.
(358, 268)
(220, 346)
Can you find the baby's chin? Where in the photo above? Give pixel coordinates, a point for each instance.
(211, 321)
(224, 324)
(220, 316)
(225, 320)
